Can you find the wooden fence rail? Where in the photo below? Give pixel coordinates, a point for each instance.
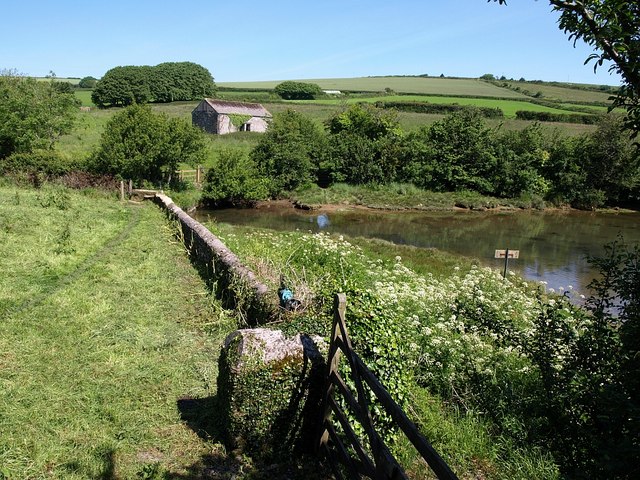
(196, 175)
(374, 460)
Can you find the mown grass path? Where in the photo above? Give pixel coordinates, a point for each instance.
(104, 327)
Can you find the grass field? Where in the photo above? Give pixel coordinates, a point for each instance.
(105, 327)
(85, 97)
(509, 107)
(418, 85)
(562, 94)
(86, 135)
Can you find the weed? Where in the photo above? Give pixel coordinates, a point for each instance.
(59, 198)
(63, 240)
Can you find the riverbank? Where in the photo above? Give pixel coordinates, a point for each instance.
(404, 197)
(398, 197)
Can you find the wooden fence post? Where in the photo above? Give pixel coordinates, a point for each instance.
(339, 309)
(122, 190)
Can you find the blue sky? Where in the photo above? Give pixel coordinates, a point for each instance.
(283, 39)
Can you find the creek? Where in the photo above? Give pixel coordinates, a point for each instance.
(553, 245)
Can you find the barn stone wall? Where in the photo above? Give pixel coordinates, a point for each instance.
(208, 121)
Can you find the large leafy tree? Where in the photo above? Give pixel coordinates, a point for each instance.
(33, 115)
(612, 27)
(123, 86)
(141, 145)
(181, 81)
(167, 82)
(290, 151)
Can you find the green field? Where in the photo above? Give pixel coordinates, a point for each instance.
(419, 85)
(86, 135)
(85, 97)
(509, 107)
(563, 94)
(74, 81)
(415, 89)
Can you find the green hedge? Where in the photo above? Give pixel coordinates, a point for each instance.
(558, 117)
(423, 107)
(47, 162)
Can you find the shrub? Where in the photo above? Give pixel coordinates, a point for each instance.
(291, 90)
(141, 145)
(46, 162)
(464, 153)
(234, 180)
(290, 151)
(363, 145)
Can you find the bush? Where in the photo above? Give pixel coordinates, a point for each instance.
(234, 180)
(291, 90)
(364, 146)
(46, 162)
(290, 151)
(141, 145)
(464, 153)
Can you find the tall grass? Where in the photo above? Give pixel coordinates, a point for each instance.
(400, 320)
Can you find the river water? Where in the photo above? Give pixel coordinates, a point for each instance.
(553, 246)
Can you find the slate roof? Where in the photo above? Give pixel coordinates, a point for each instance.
(226, 108)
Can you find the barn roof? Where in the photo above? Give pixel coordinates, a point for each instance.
(225, 107)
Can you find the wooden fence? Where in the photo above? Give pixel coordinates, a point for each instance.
(196, 176)
(373, 460)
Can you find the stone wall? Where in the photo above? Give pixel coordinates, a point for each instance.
(234, 283)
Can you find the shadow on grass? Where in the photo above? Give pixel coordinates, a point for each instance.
(205, 416)
(202, 415)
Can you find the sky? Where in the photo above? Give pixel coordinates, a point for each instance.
(284, 40)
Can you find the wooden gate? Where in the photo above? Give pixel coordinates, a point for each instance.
(373, 460)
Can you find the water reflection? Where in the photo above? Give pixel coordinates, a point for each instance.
(553, 245)
(323, 221)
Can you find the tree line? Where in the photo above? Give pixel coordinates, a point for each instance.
(365, 145)
(166, 82)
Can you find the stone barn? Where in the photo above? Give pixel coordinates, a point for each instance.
(221, 116)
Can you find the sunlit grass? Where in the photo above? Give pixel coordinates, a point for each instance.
(104, 326)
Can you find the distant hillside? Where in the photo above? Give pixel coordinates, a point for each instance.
(453, 87)
(416, 85)
(72, 80)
